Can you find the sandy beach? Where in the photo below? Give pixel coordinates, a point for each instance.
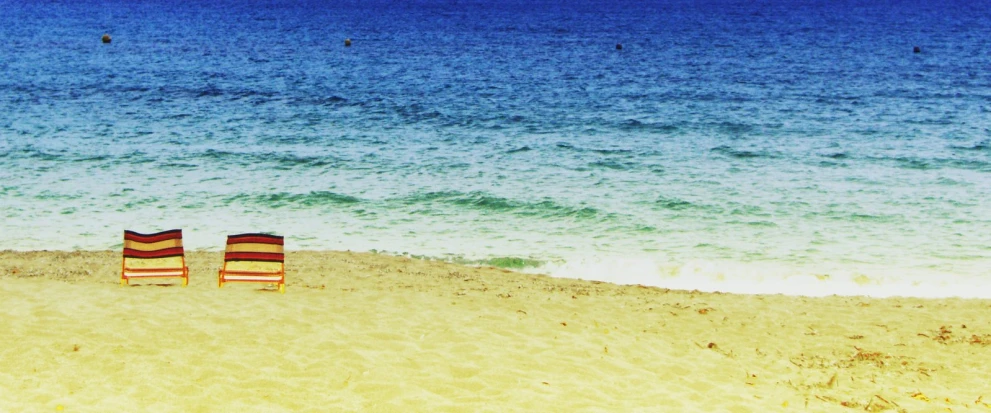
(370, 332)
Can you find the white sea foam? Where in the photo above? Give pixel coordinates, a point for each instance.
(769, 278)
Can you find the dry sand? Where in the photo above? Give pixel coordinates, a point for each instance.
(367, 332)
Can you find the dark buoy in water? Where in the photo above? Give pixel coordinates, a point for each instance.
(105, 38)
(619, 46)
(347, 42)
(916, 49)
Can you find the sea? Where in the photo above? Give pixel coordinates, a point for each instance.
(802, 147)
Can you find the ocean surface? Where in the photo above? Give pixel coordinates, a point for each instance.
(777, 146)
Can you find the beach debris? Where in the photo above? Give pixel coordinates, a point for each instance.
(75, 347)
(705, 310)
(984, 340)
(855, 337)
(712, 345)
(844, 403)
(564, 324)
(886, 400)
(919, 396)
(945, 334)
(873, 357)
(878, 404)
(751, 379)
(980, 402)
(833, 381)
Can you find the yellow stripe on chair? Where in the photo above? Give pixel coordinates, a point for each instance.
(270, 248)
(152, 246)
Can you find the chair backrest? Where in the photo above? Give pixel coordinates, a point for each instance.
(254, 252)
(255, 247)
(162, 249)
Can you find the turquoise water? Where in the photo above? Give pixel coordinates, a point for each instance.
(729, 146)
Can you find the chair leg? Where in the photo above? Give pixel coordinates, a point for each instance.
(282, 288)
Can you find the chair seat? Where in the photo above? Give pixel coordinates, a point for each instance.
(252, 277)
(160, 273)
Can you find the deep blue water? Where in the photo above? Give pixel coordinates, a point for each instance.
(750, 146)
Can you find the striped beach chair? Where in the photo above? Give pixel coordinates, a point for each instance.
(254, 258)
(158, 255)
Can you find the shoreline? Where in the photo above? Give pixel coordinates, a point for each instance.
(363, 331)
(701, 276)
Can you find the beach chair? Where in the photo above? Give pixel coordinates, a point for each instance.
(254, 258)
(158, 255)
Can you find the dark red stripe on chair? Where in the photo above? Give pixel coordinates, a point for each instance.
(162, 253)
(254, 256)
(156, 237)
(255, 239)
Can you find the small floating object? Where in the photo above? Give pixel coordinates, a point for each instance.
(106, 38)
(619, 46)
(916, 49)
(347, 42)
